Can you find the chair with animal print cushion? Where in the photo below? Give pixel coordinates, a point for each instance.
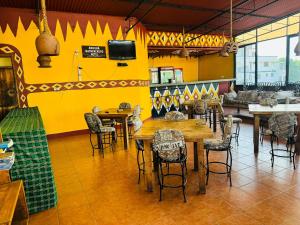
(284, 127)
(169, 145)
(105, 134)
(220, 145)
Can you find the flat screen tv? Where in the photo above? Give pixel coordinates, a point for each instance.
(121, 50)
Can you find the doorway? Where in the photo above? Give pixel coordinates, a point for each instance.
(8, 90)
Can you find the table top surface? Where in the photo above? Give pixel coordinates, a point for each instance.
(279, 108)
(191, 130)
(8, 198)
(115, 112)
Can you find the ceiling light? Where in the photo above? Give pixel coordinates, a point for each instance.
(230, 46)
(184, 52)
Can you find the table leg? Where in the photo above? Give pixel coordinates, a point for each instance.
(148, 165)
(201, 171)
(196, 161)
(214, 119)
(256, 133)
(21, 211)
(125, 132)
(297, 145)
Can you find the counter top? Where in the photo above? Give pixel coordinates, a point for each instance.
(192, 82)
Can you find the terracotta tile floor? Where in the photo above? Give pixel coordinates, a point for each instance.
(103, 191)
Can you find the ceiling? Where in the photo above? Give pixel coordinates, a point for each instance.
(197, 16)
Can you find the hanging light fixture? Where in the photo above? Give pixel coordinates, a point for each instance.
(231, 46)
(46, 44)
(223, 53)
(297, 49)
(184, 52)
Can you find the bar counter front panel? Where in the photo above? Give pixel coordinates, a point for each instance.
(166, 97)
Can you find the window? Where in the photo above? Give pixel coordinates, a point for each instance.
(271, 59)
(275, 61)
(294, 62)
(250, 64)
(240, 66)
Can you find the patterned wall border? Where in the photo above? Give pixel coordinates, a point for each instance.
(24, 89)
(173, 39)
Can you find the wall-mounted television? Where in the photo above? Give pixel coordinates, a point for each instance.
(121, 50)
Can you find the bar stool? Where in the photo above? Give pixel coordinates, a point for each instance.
(125, 106)
(235, 120)
(220, 145)
(200, 109)
(169, 145)
(283, 126)
(105, 134)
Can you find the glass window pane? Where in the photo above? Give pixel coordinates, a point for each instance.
(250, 65)
(271, 61)
(294, 64)
(239, 67)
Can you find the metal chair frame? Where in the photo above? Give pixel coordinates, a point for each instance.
(161, 176)
(290, 148)
(228, 162)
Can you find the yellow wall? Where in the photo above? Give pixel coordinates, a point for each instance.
(213, 67)
(63, 111)
(189, 65)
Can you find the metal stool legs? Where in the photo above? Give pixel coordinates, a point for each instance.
(161, 176)
(228, 164)
(290, 148)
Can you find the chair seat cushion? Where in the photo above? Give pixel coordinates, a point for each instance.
(268, 132)
(105, 129)
(215, 144)
(234, 119)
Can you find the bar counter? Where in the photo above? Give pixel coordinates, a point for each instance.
(167, 97)
(32, 159)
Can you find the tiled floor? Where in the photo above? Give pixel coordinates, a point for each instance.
(103, 191)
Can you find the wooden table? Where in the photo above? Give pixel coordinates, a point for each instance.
(192, 133)
(212, 103)
(257, 110)
(114, 113)
(13, 208)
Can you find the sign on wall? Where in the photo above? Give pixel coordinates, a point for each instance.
(93, 51)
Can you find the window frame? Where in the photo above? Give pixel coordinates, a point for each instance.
(287, 63)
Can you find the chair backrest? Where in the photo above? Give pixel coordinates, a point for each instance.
(174, 115)
(96, 109)
(137, 111)
(169, 144)
(221, 99)
(283, 125)
(124, 105)
(228, 128)
(220, 111)
(199, 106)
(93, 122)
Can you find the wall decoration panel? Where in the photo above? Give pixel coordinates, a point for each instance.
(167, 98)
(172, 39)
